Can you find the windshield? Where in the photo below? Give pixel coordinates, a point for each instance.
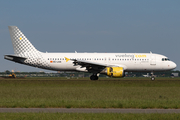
(165, 59)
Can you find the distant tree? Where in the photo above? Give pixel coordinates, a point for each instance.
(7, 72)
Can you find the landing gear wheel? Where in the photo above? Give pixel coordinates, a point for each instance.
(94, 77)
(153, 78)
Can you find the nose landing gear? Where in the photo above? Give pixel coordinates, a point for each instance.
(152, 76)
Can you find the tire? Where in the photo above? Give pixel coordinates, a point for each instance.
(152, 78)
(94, 77)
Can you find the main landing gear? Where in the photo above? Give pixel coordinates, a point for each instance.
(94, 77)
(152, 76)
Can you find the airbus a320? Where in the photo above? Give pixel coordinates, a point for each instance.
(110, 64)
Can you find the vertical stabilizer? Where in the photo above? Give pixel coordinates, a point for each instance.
(25, 52)
(20, 43)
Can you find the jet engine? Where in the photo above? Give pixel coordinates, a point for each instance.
(114, 72)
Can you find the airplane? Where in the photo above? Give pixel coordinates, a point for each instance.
(111, 64)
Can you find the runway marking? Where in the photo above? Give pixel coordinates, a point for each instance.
(85, 110)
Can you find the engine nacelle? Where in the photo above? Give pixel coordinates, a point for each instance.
(114, 72)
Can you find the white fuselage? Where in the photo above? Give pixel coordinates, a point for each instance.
(129, 61)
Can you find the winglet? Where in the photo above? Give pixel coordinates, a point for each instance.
(67, 59)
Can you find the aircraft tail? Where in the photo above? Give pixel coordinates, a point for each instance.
(25, 52)
(20, 43)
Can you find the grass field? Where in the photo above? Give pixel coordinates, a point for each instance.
(87, 116)
(83, 93)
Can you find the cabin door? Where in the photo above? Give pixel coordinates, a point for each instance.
(153, 60)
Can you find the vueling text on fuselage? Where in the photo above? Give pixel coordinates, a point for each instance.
(132, 56)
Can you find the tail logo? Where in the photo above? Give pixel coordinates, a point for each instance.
(20, 38)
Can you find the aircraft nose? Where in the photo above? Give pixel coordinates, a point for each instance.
(173, 65)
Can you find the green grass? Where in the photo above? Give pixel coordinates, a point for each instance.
(87, 116)
(105, 93)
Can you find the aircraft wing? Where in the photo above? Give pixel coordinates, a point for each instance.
(92, 66)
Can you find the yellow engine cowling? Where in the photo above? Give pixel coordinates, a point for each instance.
(115, 71)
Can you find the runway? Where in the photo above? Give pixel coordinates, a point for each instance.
(85, 110)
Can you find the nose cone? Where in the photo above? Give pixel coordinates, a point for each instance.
(173, 65)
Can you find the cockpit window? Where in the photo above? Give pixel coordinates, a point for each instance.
(165, 59)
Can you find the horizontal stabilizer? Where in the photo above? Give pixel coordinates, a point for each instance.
(15, 58)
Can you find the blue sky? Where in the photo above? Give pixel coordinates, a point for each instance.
(92, 26)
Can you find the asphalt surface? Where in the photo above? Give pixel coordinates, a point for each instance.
(85, 110)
